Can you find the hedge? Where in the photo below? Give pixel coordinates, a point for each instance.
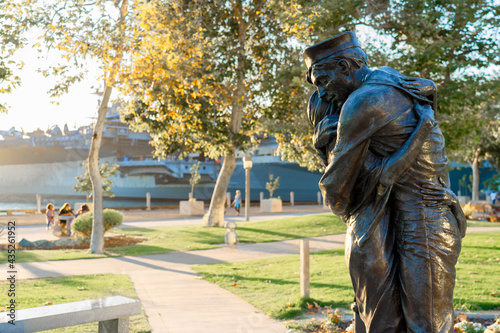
(83, 223)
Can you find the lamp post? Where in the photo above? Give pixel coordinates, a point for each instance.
(247, 165)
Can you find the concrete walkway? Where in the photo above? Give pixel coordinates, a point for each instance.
(173, 296)
(32, 227)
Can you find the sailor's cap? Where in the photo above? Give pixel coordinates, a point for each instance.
(329, 47)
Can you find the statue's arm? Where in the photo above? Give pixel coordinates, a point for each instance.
(400, 162)
(359, 120)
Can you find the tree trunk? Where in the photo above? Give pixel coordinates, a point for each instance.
(475, 176)
(97, 241)
(215, 215)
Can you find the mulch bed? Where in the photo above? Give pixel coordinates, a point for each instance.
(318, 327)
(112, 241)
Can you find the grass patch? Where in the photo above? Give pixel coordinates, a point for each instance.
(50, 255)
(477, 272)
(39, 292)
(188, 238)
(272, 285)
(474, 223)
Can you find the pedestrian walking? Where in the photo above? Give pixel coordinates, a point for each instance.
(237, 202)
(50, 214)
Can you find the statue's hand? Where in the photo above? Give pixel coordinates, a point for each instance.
(434, 195)
(426, 114)
(418, 85)
(437, 195)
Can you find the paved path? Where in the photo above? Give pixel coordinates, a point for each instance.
(174, 297)
(33, 228)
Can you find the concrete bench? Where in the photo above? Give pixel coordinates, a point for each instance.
(111, 312)
(57, 228)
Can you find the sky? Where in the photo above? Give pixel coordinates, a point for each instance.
(30, 106)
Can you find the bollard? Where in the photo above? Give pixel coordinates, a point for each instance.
(39, 203)
(148, 201)
(292, 198)
(319, 198)
(231, 238)
(304, 268)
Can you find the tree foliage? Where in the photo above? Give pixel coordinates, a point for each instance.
(454, 43)
(200, 76)
(199, 73)
(13, 23)
(84, 184)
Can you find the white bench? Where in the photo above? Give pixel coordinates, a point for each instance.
(57, 228)
(111, 312)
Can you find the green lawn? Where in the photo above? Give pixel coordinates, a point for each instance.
(49, 255)
(40, 292)
(474, 223)
(188, 238)
(478, 272)
(272, 285)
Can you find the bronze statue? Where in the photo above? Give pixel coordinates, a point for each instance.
(386, 176)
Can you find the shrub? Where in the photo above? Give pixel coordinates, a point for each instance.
(83, 223)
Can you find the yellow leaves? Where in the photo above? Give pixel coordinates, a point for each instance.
(197, 83)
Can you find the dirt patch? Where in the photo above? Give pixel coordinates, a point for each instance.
(112, 241)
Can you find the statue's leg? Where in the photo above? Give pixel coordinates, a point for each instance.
(428, 250)
(373, 273)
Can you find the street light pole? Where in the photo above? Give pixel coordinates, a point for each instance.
(247, 165)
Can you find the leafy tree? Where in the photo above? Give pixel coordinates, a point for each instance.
(84, 184)
(272, 185)
(81, 31)
(195, 176)
(199, 77)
